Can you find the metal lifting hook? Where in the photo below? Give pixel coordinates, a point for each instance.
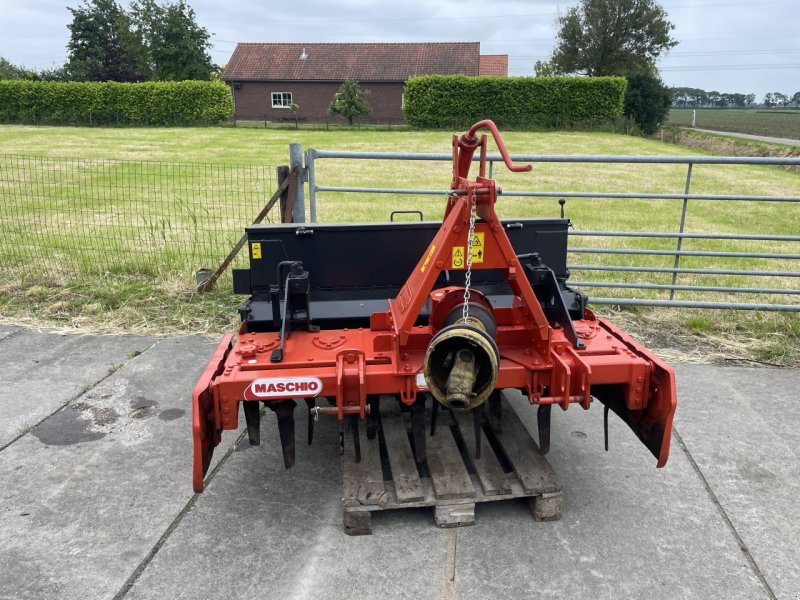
(469, 142)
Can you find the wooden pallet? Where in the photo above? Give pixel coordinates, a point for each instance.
(452, 479)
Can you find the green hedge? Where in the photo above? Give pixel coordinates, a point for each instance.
(443, 101)
(110, 103)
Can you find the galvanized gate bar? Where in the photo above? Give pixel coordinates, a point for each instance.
(565, 194)
(682, 270)
(705, 236)
(697, 304)
(570, 158)
(687, 288)
(648, 196)
(637, 251)
(679, 236)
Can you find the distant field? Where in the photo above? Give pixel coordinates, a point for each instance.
(783, 123)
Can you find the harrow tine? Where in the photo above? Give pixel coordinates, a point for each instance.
(310, 403)
(372, 417)
(356, 437)
(543, 420)
(252, 416)
(434, 415)
(477, 417)
(496, 411)
(285, 412)
(418, 429)
(605, 425)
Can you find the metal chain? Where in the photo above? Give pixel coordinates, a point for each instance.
(470, 240)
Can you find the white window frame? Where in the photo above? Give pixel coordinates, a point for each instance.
(279, 99)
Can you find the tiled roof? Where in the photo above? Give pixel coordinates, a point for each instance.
(494, 64)
(360, 62)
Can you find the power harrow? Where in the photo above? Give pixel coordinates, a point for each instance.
(342, 317)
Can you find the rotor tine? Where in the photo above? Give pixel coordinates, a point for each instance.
(477, 416)
(310, 403)
(605, 425)
(356, 437)
(285, 412)
(543, 421)
(434, 415)
(252, 416)
(372, 417)
(496, 411)
(418, 429)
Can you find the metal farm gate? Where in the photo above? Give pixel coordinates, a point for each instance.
(752, 270)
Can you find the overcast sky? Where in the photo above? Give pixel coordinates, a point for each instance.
(727, 46)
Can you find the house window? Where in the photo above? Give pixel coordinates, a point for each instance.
(281, 99)
(402, 101)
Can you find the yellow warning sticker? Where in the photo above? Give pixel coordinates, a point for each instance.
(478, 247)
(427, 258)
(255, 249)
(458, 257)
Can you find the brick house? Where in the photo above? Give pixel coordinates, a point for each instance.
(266, 79)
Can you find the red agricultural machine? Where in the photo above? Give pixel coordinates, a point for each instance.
(342, 317)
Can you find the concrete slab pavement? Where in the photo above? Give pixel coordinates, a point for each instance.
(86, 495)
(261, 531)
(628, 530)
(96, 502)
(8, 330)
(743, 434)
(42, 371)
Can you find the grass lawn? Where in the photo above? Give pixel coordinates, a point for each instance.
(160, 298)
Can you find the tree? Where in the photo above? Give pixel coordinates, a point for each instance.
(769, 100)
(738, 100)
(350, 102)
(102, 46)
(544, 68)
(9, 70)
(612, 37)
(151, 41)
(175, 47)
(647, 102)
(796, 99)
(781, 100)
(54, 74)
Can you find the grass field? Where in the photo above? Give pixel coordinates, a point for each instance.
(161, 299)
(773, 123)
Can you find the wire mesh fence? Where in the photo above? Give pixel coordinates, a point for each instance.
(68, 218)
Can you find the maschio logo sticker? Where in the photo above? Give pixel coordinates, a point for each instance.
(283, 387)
